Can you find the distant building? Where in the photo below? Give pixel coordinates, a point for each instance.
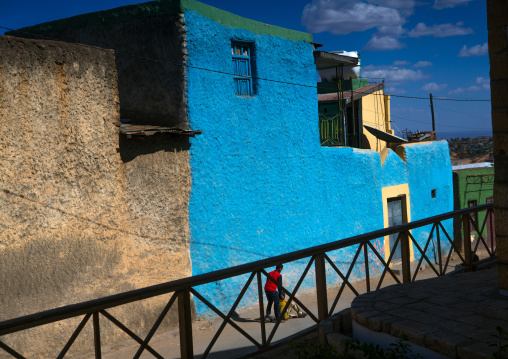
(368, 106)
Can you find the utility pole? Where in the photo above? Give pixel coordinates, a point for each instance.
(353, 117)
(432, 111)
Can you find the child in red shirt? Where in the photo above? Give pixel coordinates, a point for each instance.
(272, 294)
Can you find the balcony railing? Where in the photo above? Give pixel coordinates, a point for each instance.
(317, 256)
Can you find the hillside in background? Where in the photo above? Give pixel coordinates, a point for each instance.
(468, 150)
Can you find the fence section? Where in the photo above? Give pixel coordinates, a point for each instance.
(439, 242)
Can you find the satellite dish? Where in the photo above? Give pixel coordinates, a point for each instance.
(384, 136)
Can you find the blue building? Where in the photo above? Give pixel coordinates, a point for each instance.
(261, 183)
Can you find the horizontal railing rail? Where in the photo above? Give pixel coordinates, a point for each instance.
(183, 288)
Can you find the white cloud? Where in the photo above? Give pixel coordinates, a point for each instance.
(395, 4)
(482, 84)
(405, 6)
(423, 64)
(478, 50)
(346, 16)
(482, 81)
(443, 30)
(444, 4)
(432, 86)
(391, 30)
(460, 90)
(384, 43)
(392, 90)
(393, 74)
(401, 63)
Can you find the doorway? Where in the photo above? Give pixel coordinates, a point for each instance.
(395, 218)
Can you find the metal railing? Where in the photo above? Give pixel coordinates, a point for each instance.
(182, 289)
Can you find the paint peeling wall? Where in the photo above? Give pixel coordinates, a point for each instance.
(261, 183)
(83, 214)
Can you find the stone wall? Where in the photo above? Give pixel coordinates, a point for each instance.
(497, 23)
(148, 40)
(84, 213)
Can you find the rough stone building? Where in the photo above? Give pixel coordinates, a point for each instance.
(497, 23)
(83, 211)
(255, 184)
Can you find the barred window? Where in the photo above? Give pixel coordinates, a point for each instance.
(242, 67)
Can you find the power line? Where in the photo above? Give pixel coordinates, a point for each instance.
(463, 113)
(428, 123)
(441, 98)
(161, 61)
(231, 74)
(460, 100)
(106, 226)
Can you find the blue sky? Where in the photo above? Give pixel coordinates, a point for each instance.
(419, 47)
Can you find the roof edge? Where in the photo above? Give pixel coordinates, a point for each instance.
(232, 20)
(104, 17)
(156, 8)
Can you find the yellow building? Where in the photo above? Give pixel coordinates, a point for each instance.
(364, 105)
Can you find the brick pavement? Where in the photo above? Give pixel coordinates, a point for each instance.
(455, 316)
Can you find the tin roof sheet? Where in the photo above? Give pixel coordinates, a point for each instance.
(148, 130)
(359, 93)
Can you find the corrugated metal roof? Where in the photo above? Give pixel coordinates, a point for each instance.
(326, 60)
(148, 130)
(359, 93)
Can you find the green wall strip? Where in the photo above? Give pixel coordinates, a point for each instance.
(232, 20)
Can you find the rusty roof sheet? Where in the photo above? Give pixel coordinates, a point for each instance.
(359, 93)
(148, 130)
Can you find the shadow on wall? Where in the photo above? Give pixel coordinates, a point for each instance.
(130, 148)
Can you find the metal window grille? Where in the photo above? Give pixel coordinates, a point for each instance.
(242, 68)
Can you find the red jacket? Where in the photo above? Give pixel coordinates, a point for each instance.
(270, 285)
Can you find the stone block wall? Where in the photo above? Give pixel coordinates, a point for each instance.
(497, 24)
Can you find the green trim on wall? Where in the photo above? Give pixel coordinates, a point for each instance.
(159, 8)
(228, 19)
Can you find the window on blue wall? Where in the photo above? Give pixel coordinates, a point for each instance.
(242, 67)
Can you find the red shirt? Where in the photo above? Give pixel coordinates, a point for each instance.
(270, 285)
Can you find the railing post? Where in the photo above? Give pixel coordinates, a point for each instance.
(322, 299)
(492, 234)
(185, 320)
(406, 257)
(97, 335)
(261, 308)
(439, 251)
(466, 229)
(404, 244)
(367, 271)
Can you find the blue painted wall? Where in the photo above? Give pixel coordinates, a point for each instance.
(261, 183)
(429, 167)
